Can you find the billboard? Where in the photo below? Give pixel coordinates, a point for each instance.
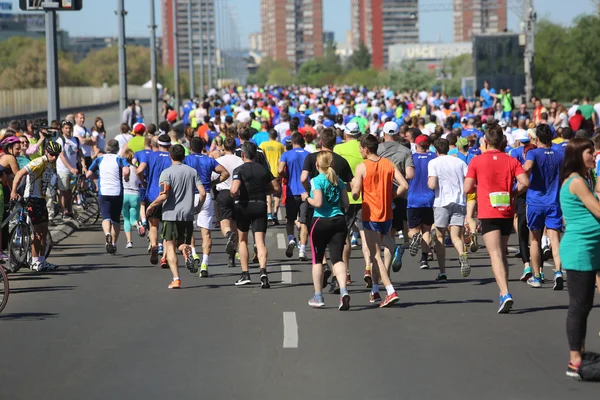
(58, 5)
(499, 59)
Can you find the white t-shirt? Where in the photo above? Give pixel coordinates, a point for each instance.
(123, 138)
(243, 116)
(230, 162)
(281, 129)
(572, 110)
(81, 132)
(451, 172)
(70, 151)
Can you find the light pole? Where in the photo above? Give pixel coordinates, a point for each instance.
(201, 19)
(153, 69)
(52, 67)
(176, 57)
(210, 23)
(122, 60)
(191, 50)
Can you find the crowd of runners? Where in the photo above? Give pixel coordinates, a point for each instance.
(381, 170)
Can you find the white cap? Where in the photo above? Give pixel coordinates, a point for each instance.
(521, 135)
(390, 128)
(352, 129)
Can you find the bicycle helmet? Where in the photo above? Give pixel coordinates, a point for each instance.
(9, 141)
(53, 148)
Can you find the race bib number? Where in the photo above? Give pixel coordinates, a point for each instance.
(500, 199)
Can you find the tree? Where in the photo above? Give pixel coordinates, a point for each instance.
(280, 76)
(360, 59)
(261, 76)
(100, 66)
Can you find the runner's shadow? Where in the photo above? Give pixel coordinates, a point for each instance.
(27, 316)
(549, 308)
(35, 289)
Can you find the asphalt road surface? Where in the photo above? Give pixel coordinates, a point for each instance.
(107, 327)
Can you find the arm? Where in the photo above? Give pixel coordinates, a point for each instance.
(140, 171)
(64, 160)
(528, 166)
(469, 185)
(223, 173)
(432, 182)
(522, 184)
(305, 181)
(274, 186)
(85, 141)
(580, 189)
(281, 170)
(357, 181)
(126, 173)
(402, 184)
(18, 177)
(410, 173)
(344, 202)
(13, 164)
(235, 188)
(317, 200)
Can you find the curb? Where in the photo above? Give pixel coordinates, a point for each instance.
(62, 231)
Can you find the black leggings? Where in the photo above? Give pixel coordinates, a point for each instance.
(523, 229)
(581, 286)
(330, 232)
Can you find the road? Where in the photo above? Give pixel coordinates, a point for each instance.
(107, 327)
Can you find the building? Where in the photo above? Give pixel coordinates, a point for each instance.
(203, 15)
(255, 41)
(328, 37)
(473, 17)
(381, 23)
(81, 46)
(426, 55)
(31, 25)
(292, 30)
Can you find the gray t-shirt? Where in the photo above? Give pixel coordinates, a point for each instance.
(179, 180)
(396, 153)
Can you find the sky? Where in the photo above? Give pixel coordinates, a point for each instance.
(98, 19)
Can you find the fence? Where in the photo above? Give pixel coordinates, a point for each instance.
(27, 102)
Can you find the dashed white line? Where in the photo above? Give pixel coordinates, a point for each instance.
(281, 241)
(286, 274)
(290, 330)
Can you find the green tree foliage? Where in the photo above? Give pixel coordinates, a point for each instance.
(101, 66)
(261, 76)
(360, 59)
(280, 76)
(457, 68)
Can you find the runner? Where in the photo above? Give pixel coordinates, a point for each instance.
(150, 144)
(273, 151)
(493, 174)
(131, 198)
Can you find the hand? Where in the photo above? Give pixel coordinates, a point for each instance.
(14, 195)
(304, 196)
(74, 171)
(150, 210)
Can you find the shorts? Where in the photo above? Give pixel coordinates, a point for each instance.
(419, 216)
(277, 193)
(504, 225)
(354, 216)
(225, 204)
(205, 216)
(381, 227)
(64, 181)
(472, 196)
(520, 205)
(328, 232)
(295, 207)
(37, 210)
(449, 215)
(179, 231)
(251, 214)
(156, 213)
(506, 115)
(488, 111)
(399, 213)
(110, 208)
(548, 216)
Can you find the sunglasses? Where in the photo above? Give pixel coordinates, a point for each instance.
(24, 143)
(54, 154)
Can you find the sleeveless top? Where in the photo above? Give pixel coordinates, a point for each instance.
(377, 191)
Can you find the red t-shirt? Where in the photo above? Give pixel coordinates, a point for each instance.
(305, 129)
(494, 172)
(576, 121)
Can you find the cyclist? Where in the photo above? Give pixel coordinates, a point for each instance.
(39, 173)
(11, 145)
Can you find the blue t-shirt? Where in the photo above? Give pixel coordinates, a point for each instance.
(260, 137)
(294, 161)
(488, 100)
(560, 147)
(419, 195)
(471, 131)
(142, 155)
(331, 206)
(204, 166)
(544, 186)
(518, 154)
(157, 162)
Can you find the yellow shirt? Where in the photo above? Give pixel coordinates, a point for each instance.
(558, 140)
(273, 151)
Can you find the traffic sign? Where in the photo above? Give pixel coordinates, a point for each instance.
(56, 5)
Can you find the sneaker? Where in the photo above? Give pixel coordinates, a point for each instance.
(441, 278)
(302, 256)
(389, 300)
(518, 254)
(573, 372)
(430, 256)
(424, 265)
(348, 279)
(465, 268)
(558, 281)
(448, 242)
(232, 240)
(175, 284)
(275, 221)
(164, 264)
(264, 279)
(129, 245)
(374, 298)
(37, 266)
(255, 255)
(542, 278)
(527, 273)
(333, 286)
(354, 242)
(546, 253)
(506, 303)
(204, 271)
(344, 302)
(197, 261)
(189, 260)
(46, 266)
(141, 229)
(153, 255)
(474, 245)
(316, 302)
(397, 262)
(289, 252)
(110, 248)
(160, 249)
(415, 242)
(368, 279)
(244, 279)
(149, 247)
(231, 263)
(534, 282)
(326, 275)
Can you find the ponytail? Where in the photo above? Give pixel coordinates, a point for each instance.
(324, 161)
(331, 176)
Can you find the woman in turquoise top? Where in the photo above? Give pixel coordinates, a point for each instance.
(580, 245)
(329, 198)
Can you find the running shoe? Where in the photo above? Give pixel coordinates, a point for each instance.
(204, 271)
(326, 275)
(48, 266)
(415, 242)
(175, 284)
(424, 265)
(232, 240)
(441, 278)
(374, 298)
(505, 304)
(535, 282)
(348, 278)
(518, 254)
(546, 253)
(255, 255)
(129, 245)
(559, 282)
(527, 273)
(354, 242)
(573, 372)
(264, 279)
(465, 268)
(397, 262)
(275, 221)
(389, 300)
(189, 260)
(244, 279)
(368, 279)
(302, 256)
(289, 252)
(153, 255)
(231, 263)
(430, 256)
(197, 261)
(344, 302)
(149, 247)
(333, 286)
(474, 245)
(448, 242)
(160, 249)
(141, 229)
(164, 264)
(316, 302)
(37, 266)
(110, 247)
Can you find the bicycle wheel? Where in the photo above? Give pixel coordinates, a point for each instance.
(19, 246)
(4, 289)
(49, 244)
(92, 208)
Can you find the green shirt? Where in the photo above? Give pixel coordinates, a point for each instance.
(586, 110)
(506, 101)
(350, 151)
(361, 121)
(136, 143)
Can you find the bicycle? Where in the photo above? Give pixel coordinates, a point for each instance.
(85, 199)
(4, 289)
(20, 237)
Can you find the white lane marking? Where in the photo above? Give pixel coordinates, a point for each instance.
(286, 274)
(290, 330)
(513, 249)
(270, 234)
(281, 241)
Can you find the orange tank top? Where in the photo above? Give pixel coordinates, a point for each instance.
(377, 190)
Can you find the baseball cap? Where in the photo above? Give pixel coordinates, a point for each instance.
(172, 116)
(503, 123)
(352, 129)
(139, 128)
(462, 142)
(422, 141)
(390, 128)
(302, 108)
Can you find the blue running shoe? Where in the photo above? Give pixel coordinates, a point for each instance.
(527, 273)
(506, 303)
(558, 280)
(397, 262)
(535, 282)
(160, 249)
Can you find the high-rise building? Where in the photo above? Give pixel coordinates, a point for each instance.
(208, 30)
(328, 36)
(381, 23)
(478, 16)
(292, 30)
(255, 41)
